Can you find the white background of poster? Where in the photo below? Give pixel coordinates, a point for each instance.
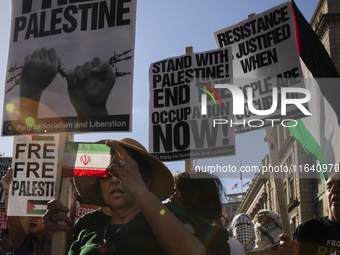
(186, 133)
(263, 49)
(27, 151)
(74, 49)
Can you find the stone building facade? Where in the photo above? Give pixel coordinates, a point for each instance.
(326, 24)
(304, 193)
(305, 196)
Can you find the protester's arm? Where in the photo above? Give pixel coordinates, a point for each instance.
(50, 218)
(73, 210)
(16, 231)
(171, 234)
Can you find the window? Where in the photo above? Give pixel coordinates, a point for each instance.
(291, 190)
(293, 224)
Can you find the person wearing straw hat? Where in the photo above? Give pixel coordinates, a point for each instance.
(136, 184)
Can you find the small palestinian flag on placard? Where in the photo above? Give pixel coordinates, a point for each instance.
(36, 206)
(86, 159)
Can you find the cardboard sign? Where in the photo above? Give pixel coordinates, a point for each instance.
(3, 220)
(34, 175)
(265, 56)
(5, 163)
(84, 209)
(180, 88)
(70, 67)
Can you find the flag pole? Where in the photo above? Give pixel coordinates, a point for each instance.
(241, 180)
(189, 162)
(274, 160)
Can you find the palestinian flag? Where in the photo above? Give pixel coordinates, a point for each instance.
(37, 206)
(86, 159)
(320, 133)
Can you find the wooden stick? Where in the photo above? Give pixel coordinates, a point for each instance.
(58, 245)
(189, 162)
(274, 159)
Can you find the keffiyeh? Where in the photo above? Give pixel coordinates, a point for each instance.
(274, 216)
(242, 229)
(267, 235)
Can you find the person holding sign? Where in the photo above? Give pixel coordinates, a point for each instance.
(22, 243)
(135, 185)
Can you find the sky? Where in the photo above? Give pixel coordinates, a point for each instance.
(163, 30)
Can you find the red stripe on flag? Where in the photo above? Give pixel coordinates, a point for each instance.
(89, 173)
(81, 172)
(296, 30)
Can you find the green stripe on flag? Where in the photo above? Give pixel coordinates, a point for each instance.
(72, 147)
(308, 142)
(37, 212)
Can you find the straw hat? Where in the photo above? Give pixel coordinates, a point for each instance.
(162, 182)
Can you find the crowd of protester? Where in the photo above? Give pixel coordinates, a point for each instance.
(132, 219)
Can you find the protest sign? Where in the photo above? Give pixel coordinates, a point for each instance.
(265, 57)
(5, 163)
(183, 108)
(83, 209)
(70, 67)
(3, 220)
(34, 174)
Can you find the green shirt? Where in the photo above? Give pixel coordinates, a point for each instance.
(135, 237)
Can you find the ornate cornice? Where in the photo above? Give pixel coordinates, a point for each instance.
(325, 21)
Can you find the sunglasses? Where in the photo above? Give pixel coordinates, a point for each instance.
(109, 175)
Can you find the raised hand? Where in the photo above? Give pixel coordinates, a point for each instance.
(7, 179)
(89, 87)
(38, 72)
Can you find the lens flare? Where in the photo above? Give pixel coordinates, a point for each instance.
(9, 107)
(30, 121)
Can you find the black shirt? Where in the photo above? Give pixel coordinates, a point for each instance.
(318, 236)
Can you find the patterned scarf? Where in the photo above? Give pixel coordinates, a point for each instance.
(267, 235)
(242, 229)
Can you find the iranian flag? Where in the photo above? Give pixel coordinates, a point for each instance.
(320, 133)
(86, 159)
